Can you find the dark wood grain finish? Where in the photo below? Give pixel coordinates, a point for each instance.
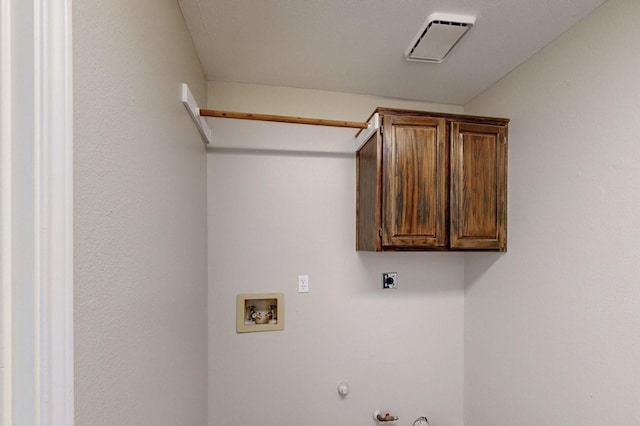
(431, 181)
(368, 195)
(458, 118)
(478, 186)
(414, 182)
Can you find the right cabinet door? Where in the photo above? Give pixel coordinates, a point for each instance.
(478, 215)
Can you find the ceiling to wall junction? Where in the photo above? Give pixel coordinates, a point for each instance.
(357, 46)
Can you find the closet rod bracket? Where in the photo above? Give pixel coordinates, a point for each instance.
(191, 105)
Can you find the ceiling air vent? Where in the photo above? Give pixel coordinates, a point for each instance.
(438, 36)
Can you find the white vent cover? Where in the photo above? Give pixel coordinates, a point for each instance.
(437, 37)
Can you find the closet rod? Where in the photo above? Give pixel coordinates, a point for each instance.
(282, 119)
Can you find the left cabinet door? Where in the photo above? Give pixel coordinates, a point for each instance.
(414, 182)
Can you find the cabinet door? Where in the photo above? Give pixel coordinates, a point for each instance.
(415, 191)
(478, 186)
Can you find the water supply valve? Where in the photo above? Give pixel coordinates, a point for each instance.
(384, 417)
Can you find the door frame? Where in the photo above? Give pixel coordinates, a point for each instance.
(36, 141)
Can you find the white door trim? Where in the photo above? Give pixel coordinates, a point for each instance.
(6, 349)
(36, 214)
(55, 210)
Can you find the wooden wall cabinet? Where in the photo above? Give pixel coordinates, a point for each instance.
(430, 181)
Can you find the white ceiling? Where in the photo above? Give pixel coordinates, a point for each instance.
(357, 46)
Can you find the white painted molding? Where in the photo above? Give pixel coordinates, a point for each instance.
(364, 136)
(191, 105)
(6, 370)
(54, 210)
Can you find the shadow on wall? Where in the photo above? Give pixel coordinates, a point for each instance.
(476, 265)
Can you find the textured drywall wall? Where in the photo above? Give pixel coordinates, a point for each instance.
(275, 215)
(140, 218)
(552, 326)
(294, 102)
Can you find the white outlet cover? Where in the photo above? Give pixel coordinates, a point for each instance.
(303, 283)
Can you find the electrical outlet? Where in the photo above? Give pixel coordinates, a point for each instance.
(389, 280)
(303, 283)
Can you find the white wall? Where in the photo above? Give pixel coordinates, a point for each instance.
(276, 214)
(551, 328)
(140, 216)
